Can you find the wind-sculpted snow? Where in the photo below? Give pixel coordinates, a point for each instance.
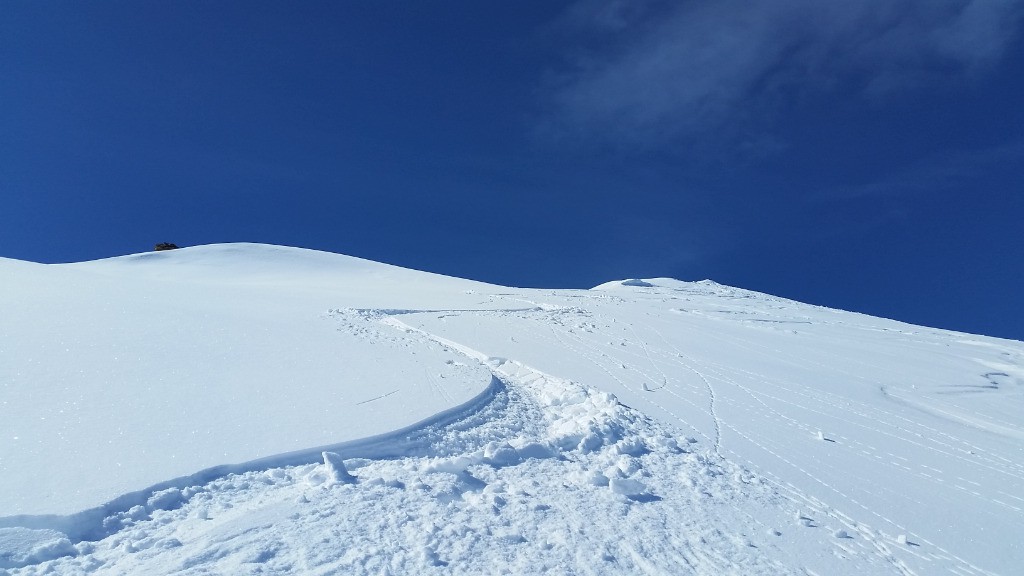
(397, 422)
(115, 383)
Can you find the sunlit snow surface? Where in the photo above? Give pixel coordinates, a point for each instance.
(170, 413)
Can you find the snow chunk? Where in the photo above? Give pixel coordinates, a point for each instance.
(509, 538)
(430, 557)
(169, 499)
(335, 468)
(632, 447)
(456, 465)
(627, 486)
(595, 478)
(535, 450)
(500, 454)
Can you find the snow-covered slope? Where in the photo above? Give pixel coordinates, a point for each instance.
(245, 408)
(145, 368)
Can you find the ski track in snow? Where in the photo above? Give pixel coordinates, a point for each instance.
(927, 438)
(820, 507)
(796, 496)
(876, 541)
(712, 467)
(526, 481)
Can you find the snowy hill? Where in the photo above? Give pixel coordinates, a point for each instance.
(244, 408)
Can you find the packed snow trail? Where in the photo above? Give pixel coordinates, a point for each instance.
(548, 477)
(843, 451)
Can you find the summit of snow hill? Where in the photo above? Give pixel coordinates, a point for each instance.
(247, 408)
(248, 262)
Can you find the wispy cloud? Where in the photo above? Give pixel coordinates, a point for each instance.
(943, 173)
(647, 72)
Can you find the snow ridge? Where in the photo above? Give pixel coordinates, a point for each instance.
(94, 524)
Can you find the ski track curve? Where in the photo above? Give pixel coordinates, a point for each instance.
(595, 355)
(880, 542)
(539, 475)
(526, 467)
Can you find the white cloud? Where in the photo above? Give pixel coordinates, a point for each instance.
(644, 73)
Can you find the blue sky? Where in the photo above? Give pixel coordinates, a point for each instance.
(863, 155)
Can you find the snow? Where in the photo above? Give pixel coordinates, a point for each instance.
(334, 466)
(244, 408)
(143, 369)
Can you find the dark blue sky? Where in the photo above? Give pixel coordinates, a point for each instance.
(864, 155)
